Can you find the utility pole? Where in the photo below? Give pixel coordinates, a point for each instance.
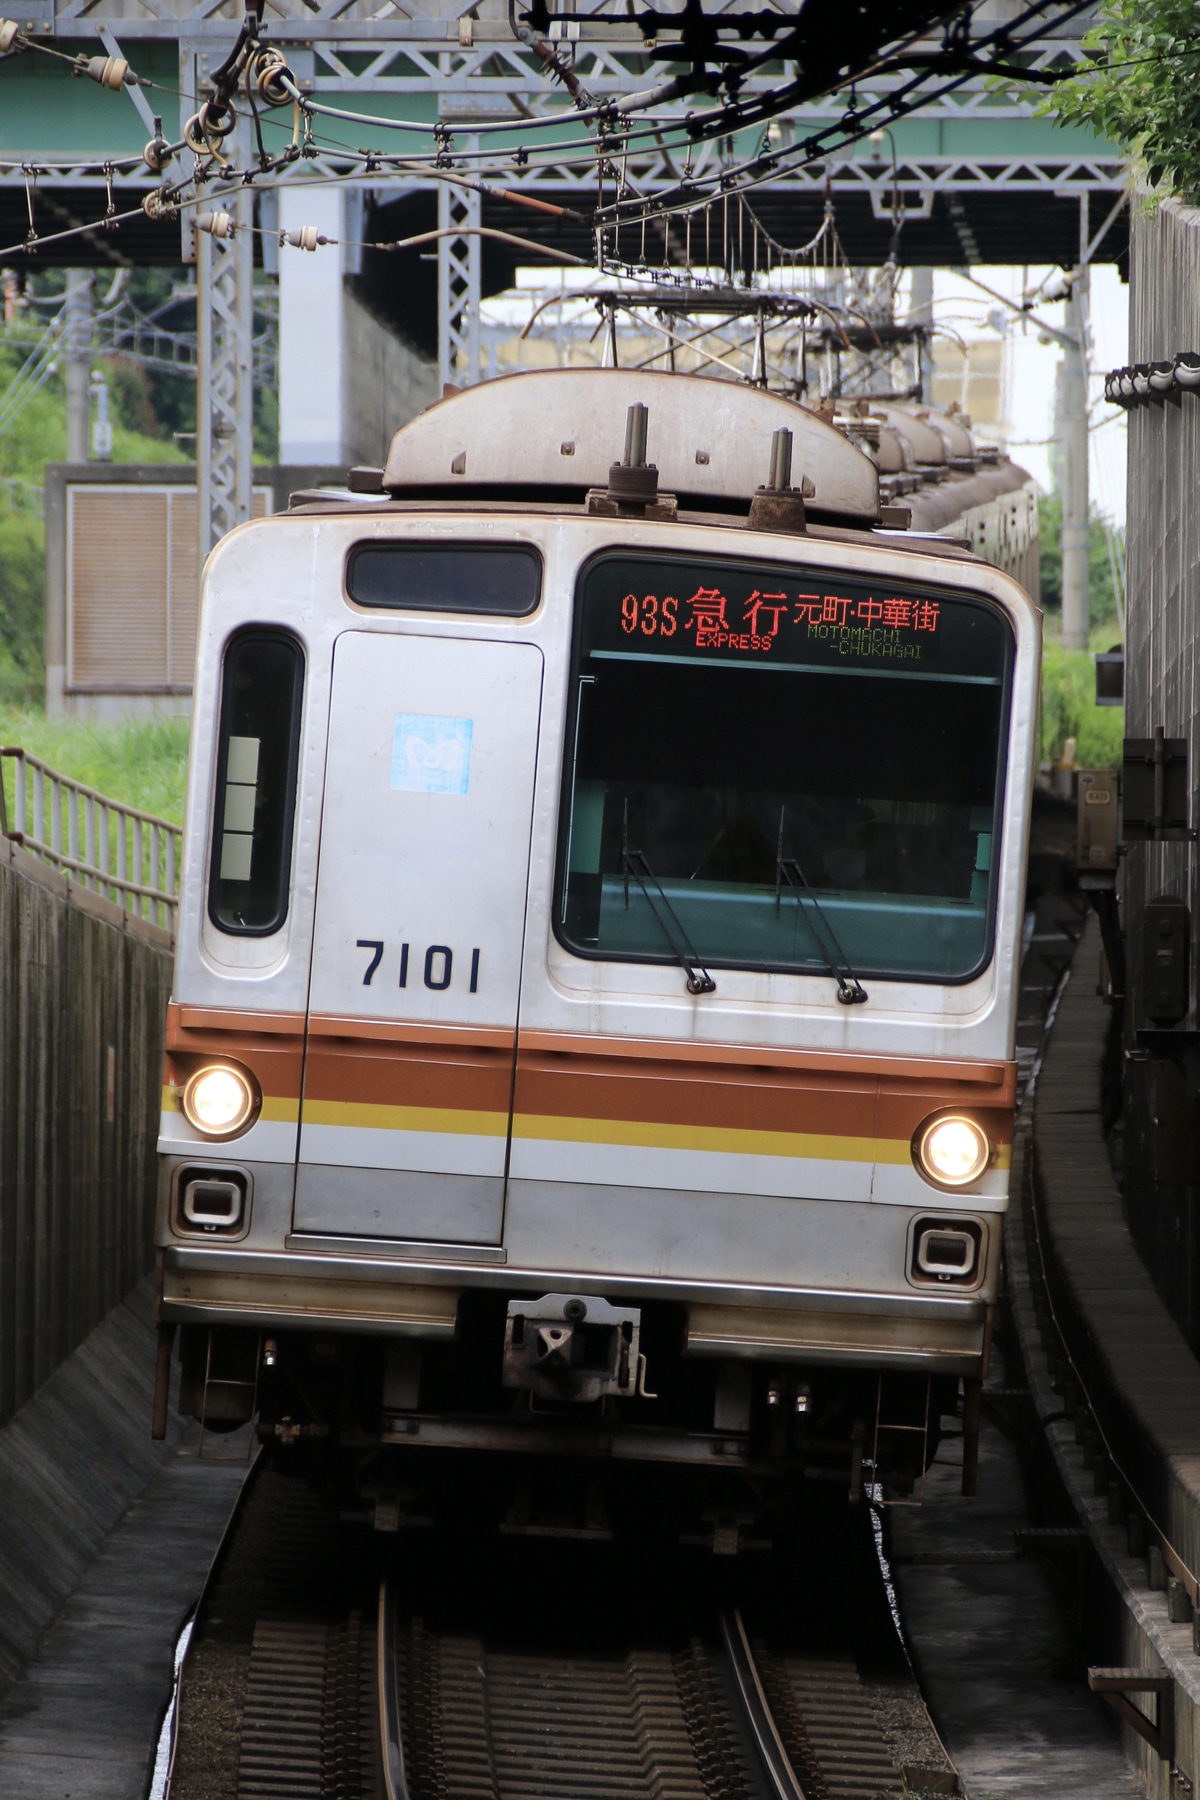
(1073, 464)
(225, 362)
(921, 313)
(78, 353)
(460, 271)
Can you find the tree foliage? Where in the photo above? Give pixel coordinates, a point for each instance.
(1102, 605)
(1069, 710)
(21, 581)
(1143, 90)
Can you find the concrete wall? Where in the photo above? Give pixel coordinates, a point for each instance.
(1162, 661)
(71, 1463)
(386, 383)
(83, 996)
(311, 346)
(346, 382)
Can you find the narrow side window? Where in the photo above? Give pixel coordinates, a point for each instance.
(501, 579)
(257, 757)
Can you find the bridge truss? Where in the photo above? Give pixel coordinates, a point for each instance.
(974, 176)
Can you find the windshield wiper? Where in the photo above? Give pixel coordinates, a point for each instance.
(851, 991)
(634, 863)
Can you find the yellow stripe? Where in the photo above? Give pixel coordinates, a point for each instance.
(280, 1112)
(451, 1120)
(648, 1135)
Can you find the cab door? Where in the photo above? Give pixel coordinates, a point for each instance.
(418, 937)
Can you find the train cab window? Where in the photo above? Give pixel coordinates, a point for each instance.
(257, 753)
(500, 579)
(764, 754)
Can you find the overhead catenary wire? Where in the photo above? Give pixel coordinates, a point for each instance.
(730, 118)
(483, 231)
(72, 231)
(766, 164)
(42, 360)
(34, 372)
(430, 165)
(306, 237)
(733, 116)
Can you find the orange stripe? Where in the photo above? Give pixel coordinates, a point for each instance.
(630, 1080)
(819, 1101)
(270, 1045)
(725, 1099)
(277, 1073)
(469, 1078)
(1002, 1075)
(403, 1031)
(205, 1018)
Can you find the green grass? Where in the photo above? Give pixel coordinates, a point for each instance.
(1069, 710)
(141, 762)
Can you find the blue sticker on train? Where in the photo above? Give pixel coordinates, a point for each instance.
(431, 754)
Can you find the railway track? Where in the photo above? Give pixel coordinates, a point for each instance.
(326, 1666)
(724, 1720)
(346, 1684)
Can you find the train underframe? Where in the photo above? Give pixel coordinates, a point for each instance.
(568, 1416)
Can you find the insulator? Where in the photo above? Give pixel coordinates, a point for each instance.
(110, 71)
(217, 224)
(159, 206)
(306, 238)
(269, 72)
(9, 32)
(157, 155)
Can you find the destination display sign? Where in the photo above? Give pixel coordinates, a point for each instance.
(723, 611)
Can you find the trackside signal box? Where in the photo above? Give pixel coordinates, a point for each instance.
(1165, 960)
(1096, 834)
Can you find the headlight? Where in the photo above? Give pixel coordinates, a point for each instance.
(220, 1101)
(951, 1151)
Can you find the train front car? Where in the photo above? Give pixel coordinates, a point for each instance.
(597, 965)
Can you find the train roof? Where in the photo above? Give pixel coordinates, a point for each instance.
(553, 429)
(544, 440)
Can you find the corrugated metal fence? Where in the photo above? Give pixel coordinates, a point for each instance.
(1163, 567)
(1162, 660)
(83, 996)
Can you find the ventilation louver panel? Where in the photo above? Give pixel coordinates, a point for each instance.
(132, 586)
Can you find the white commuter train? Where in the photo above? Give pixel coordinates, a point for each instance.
(595, 990)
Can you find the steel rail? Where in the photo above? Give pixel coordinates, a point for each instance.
(163, 1771)
(395, 1780)
(782, 1781)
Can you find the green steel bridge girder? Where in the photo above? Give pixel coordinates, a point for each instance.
(48, 114)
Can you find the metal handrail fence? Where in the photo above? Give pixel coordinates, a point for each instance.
(131, 857)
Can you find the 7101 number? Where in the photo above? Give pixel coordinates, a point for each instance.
(438, 970)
